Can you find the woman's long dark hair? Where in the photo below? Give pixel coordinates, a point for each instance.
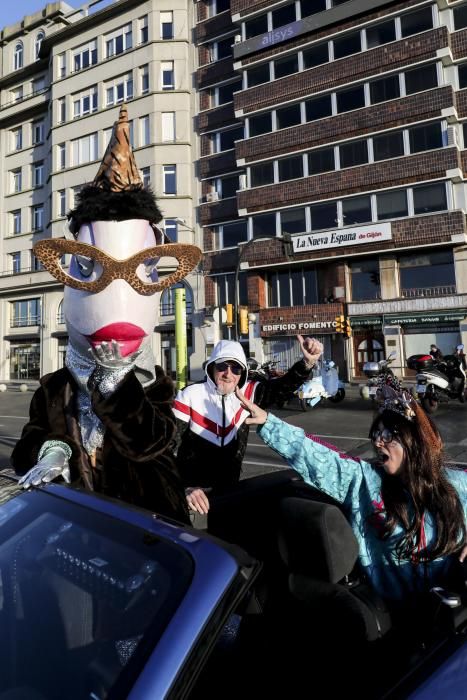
(425, 480)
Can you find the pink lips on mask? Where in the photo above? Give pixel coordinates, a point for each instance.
(128, 335)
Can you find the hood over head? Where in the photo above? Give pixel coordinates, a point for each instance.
(228, 350)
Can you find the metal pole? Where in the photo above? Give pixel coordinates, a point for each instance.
(181, 355)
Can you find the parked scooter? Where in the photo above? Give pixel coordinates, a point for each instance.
(376, 373)
(439, 380)
(262, 372)
(325, 384)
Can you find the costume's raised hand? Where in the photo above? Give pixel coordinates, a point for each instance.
(52, 463)
(197, 500)
(111, 367)
(311, 349)
(258, 416)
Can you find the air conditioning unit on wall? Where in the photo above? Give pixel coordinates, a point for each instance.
(237, 38)
(212, 196)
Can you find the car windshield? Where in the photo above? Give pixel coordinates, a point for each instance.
(84, 597)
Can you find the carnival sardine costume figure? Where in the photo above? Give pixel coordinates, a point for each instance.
(105, 421)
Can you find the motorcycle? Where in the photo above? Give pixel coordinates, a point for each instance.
(325, 384)
(262, 372)
(376, 372)
(439, 380)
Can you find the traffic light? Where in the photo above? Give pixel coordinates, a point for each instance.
(229, 314)
(347, 328)
(243, 320)
(340, 321)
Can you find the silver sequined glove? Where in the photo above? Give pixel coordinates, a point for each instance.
(111, 367)
(52, 463)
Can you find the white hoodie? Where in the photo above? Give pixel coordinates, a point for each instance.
(212, 415)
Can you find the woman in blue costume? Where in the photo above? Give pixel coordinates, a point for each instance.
(406, 509)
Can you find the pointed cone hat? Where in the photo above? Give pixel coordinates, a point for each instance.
(118, 170)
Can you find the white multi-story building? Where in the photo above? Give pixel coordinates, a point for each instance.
(65, 74)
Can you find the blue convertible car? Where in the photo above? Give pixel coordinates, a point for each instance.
(101, 600)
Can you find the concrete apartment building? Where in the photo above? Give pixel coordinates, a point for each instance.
(336, 132)
(64, 74)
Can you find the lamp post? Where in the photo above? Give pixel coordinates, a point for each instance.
(285, 238)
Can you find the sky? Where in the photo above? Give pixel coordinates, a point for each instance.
(11, 12)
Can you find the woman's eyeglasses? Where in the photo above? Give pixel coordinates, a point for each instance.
(385, 435)
(234, 368)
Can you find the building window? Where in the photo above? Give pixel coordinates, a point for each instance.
(225, 93)
(61, 111)
(168, 126)
(384, 89)
(425, 137)
(227, 186)
(143, 29)
(316, 56)
(25, 313)
(283, 15)
(347, 45)
(15, 262)
(352, 98)
(323, 216)
(61, 156)
(416, 22)
(16, 221)
(285, 66)
(460, 17)
(380, 34)
(318, 108)
(17, 139)
(356, 210)
(118, 41)
(388, 146)
(167, 75)
(258, 75)
(84, 150)
(292, 287)
(422, 78)
(146, 176)
(16, 180)
(233, 234)
(422, 270)
(144, 131)
(38, 86)
(288, 116)
(311, 7)
(428, 198)
(62, 65)
(365, 280)
(37, 132)
(169, 176)
(61, 209)
(144, 78)
(391, 205)
(38, 174)
(85, 56)
(321, 161)
(256, 26)
(290, 168)
(293, 221)
(261, 174)
(171, 229)
(85, 102)
(119, 90)
(225, 140)
(167, 25)
(36, 265)
(260, 124)
(17, 93)
(37, 217)
(353, 153)
(218, 6)
(37, 43)
(264, 225)
(18, 56)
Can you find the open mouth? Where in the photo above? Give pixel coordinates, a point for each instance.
(127, 335)
(382, 457)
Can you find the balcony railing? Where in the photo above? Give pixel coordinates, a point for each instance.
(20, 321)
(442, 291)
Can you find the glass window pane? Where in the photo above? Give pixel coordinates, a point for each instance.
(323, 216)
(460, 17)
(418, 21)
(258, 75)
(462, 71)
(311, 7)
(260, 124)
(429, 198)
(381, 34)
(234, 233)
(296, 279)
(423, 138)
(422, 78)
(293, 221)
(321, 161)
(391, 205)
(384, 89)
(365, 280)
(311, 287)
(347, 45)
(256, 26)
(354, 98)
(272, 289)
(318, 107)
(354, 153)
(285, 66)
(264, 225)
(316, 56)
(284, 288)
(262, 174)
(388, 146)
(290, 168)
(356, 210)
(427, 270)
(288, 116)
(284, 15)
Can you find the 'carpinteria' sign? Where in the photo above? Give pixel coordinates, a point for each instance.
(342, 237)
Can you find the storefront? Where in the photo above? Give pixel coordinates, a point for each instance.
(25, 359)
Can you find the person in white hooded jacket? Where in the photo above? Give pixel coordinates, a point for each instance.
(212, 432)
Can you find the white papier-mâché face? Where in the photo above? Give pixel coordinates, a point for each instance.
(118, 312)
